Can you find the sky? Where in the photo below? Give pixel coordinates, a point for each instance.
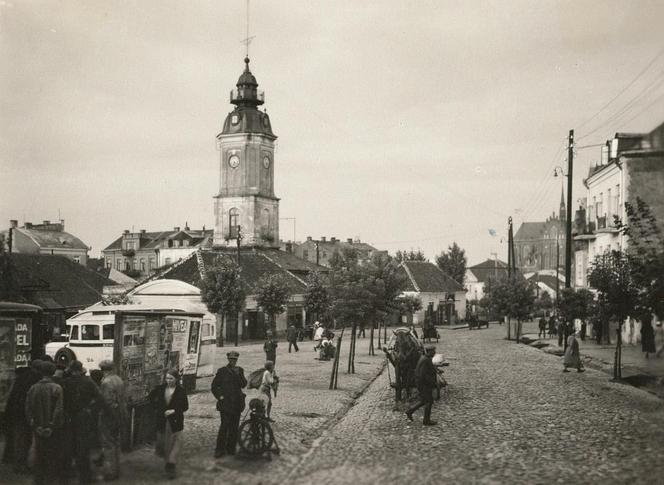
(406, 124)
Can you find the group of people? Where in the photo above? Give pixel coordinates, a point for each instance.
(67, 417)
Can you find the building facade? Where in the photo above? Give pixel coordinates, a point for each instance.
(478, 275)
(322, 250)
(46, 238)
(142, 253)
(246, 208)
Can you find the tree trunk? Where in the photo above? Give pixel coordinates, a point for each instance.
(509, 328)
(220, 329)
(371, 341)
(237, 330)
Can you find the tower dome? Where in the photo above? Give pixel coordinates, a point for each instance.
(246, 92)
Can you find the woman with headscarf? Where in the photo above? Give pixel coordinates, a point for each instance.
(572, 357)
(169, 401)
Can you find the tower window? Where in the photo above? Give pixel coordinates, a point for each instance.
(233, 222)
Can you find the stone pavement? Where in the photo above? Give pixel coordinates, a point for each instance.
(636, 369)
(303, 410)
(509, 416)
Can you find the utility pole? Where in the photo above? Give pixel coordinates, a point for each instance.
(568, 238)
(557, 271)
(509, 247)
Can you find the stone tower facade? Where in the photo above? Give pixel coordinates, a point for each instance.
(246, 204)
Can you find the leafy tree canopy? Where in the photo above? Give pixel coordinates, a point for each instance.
(511, 297)
(411, 255)
(223, 290)
(453, 262)
(272, 295)
(317, 297)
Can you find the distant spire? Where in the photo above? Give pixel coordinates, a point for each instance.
(563, 212)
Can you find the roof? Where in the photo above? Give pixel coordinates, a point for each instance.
(53, 239)
(548, 280)
(155, 239)
(55, 282)
(426, 277)
(254, 263)
(491, 268)
(530, 230)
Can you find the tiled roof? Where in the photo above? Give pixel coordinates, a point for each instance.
(426, 277)
(152, 240)
(55, 281)
(530, 230)
(255, 263)
(53, 239)
(491, 268)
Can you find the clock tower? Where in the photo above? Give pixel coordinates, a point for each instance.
(246, 197)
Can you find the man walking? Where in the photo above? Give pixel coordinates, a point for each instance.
(426, 378)
(113, 392)
(45, 414)
(227, 387)
(291, 336)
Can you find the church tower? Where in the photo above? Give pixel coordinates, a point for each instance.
(246, 200)
(562, 215)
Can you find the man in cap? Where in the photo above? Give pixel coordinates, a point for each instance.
(113, 392)
(83, 402)
(45, 415)
(270, 347)
(227, 388)
(426, 378)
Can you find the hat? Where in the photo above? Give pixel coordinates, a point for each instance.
(232, 354)
(428, 347)
(106, 364)
(46, 368)
(269, 363)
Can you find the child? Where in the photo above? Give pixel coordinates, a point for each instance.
(270, 383)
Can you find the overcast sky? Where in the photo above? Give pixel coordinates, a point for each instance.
(408, 124)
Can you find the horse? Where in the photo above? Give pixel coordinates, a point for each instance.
(403, 351)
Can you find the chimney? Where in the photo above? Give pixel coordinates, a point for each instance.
(333, 239)
(142, 231)
(176, 228)
(308, 238)
(13, 223)
(322, 239)
(606, 148)
(125, 232)
(46, 223)
(349, 240)
(28, 225)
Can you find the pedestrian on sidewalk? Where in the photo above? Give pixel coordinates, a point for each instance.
(227, 388)
(647, 338)
(270, 347)
(552, 326)
(269, 384)
(44, 411)
(560, 331)
(169, 402)
(427, 380)
(572, 357)
(291, 336)
(542, 328)
(319, 332)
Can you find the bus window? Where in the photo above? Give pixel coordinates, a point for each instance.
(89, 332)
(107, 331)
(73, 332)
(206, 330)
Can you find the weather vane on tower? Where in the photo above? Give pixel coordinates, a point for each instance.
(247, 40)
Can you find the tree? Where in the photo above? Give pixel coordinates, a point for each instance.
(544, 303)
(272, 295)
(573, 304)
(409, 304)
(411, 255)
(345, 259)
(611, 275)
(224, 293)
(513, 298)
(317, 298)
(453, 262)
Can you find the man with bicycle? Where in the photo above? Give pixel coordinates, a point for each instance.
(227, 389)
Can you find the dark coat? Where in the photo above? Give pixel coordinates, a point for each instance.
(291, 334)
(425, 373)
(270, 347)
(647, 338)
(179, 403)
(229, 383)
(15, 409)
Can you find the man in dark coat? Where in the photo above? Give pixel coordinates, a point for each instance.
(291, 336)
(45, 415)
(18, 432)
(83, 403)
(227, 388)
(427, 380)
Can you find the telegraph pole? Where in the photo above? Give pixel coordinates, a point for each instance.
(568, 238)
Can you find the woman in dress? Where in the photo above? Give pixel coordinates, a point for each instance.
(169, 401)
(572, 357)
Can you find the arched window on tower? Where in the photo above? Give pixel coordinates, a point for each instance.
(266, 225)
(233, 222)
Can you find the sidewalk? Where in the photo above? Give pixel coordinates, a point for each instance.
(636, 369)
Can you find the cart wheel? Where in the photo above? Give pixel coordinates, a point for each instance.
(255, 437)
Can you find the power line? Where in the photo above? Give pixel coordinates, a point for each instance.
(631, 83)
(657, 99)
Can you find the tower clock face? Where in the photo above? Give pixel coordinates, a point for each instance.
(266, 161)
(233, 161)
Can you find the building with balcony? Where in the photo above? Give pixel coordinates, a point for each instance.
(139, 254)
(47, 238)
(631, 166)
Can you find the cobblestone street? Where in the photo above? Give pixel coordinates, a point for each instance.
(509, 416)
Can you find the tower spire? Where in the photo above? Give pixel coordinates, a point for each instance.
(247, 40)
(562, 214)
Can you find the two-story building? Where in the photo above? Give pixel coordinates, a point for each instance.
(46, 238)
(141, 253)
(321, 251)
